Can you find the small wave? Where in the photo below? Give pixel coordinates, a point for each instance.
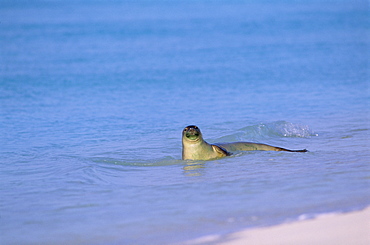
(278, 129)
(164, 161)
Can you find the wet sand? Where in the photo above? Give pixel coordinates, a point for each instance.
(347, 228)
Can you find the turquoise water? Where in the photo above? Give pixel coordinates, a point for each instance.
(94, 96)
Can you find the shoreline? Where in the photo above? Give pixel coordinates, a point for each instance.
(331, 228)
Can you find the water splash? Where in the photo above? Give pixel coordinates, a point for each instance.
(278, 129)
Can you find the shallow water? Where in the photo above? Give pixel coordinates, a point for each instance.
(94, 96)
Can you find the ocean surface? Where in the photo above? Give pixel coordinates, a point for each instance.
(94, 96)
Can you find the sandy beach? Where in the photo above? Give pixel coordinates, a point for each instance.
(348, 228)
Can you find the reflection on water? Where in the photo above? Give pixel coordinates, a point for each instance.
(194, 168)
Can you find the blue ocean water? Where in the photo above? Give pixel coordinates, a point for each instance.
(94, 96)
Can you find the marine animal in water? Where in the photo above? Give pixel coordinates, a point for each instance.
(194, 147)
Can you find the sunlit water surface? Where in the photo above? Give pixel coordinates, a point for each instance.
(94, 96)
